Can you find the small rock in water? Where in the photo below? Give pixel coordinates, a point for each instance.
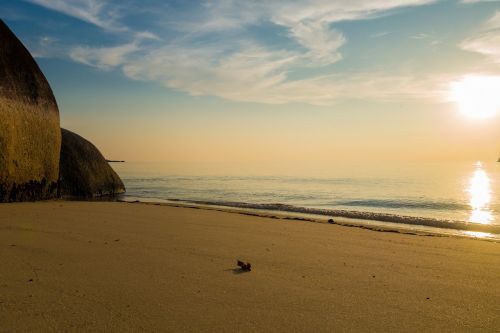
(331, 221)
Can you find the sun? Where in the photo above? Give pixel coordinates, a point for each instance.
(477, 96)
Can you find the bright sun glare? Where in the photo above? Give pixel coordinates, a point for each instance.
(480, 196)
(477, 96)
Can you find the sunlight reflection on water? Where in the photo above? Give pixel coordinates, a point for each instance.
(480, 196)
(464, 192)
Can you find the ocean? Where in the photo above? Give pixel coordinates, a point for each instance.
(436, 197)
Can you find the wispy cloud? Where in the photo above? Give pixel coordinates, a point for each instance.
(321, 42)
(487, 42)
(380, 34)
(91, 11)
(420, 36)
(45, 47)
(476, 1)
(308, 22)
(105, 57)
(493, 22)
(211, 52)
(254, 74)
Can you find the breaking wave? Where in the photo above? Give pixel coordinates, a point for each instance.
(382, 217)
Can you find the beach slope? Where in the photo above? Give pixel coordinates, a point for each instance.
(103, 266)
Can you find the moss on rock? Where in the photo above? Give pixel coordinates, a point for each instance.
(30, 137)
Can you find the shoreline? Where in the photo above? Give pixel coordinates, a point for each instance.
(359, 222)
(113, 266)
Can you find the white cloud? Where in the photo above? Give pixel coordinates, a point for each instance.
(90, 11)
(290, 12)
(105, 57)
(476, 1)
(146, 35)
(493, 22)
(420, 36)
(308, 21)
(242, 75)
(259, 75)
(487, 42)
(321, 41)
(380, 34)
(210, 52)
(222, 15)
(44, 47)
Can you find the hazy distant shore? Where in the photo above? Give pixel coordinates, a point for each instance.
(111, 266)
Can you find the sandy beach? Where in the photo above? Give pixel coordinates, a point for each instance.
(104, 266)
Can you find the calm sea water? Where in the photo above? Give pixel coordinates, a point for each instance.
(450, 194)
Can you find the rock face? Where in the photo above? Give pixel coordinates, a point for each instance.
(30, 136)
(33, 163)
(84, 172)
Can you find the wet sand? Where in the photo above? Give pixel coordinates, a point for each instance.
(102, 266)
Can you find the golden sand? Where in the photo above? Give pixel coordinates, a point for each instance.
(102, 266)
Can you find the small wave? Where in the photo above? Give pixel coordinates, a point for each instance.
(382, 217)
(433, 205)
(132, 180)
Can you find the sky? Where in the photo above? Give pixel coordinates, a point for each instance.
(271, 83)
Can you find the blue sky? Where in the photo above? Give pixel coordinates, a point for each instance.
(164, 69)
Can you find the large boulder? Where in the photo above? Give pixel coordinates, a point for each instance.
(30, 136)
(84, 172)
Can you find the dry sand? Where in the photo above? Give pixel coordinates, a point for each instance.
(76, 266)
